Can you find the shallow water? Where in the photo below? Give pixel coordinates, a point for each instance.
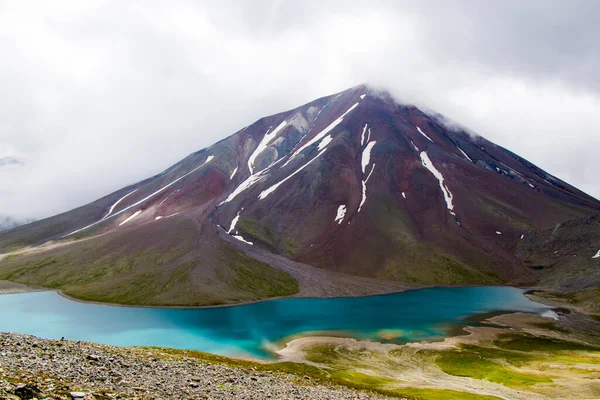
(250, 330)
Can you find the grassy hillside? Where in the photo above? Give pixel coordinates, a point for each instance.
(134, 268)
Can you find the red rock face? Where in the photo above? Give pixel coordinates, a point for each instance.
(353, 183)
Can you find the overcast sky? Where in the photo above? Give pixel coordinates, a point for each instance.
(95, 95)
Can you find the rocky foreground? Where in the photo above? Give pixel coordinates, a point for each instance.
(46, 369)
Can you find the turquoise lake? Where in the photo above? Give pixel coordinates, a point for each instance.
(250, 330)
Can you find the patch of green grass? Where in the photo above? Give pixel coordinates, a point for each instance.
(291, 247)
(328, 354)
(361, 379)
(13, 246)
(435, 267)
(481, 363)
(259, 278)
(511, 357)
(440, 394)
(529, 343)
(253, 228)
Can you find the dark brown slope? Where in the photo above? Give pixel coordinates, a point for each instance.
(566, 259)
(352, 183)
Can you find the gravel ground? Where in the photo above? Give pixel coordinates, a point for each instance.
(45, 369)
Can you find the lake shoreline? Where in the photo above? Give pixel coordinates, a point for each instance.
(10, 287)
(29, 288)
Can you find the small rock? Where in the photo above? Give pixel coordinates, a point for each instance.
(77, 395)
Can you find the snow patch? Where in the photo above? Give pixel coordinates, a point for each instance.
(429, 165)
(465, 154)
(157, 218)
(362, 137)
(117, 202)
(263, 195)
(522, 236)
(597, 254)
(550, 314)
(341, 213)
(403, 194)
(132, 216)
(498, 233)
(414, 146)
(251, 180)
(362, 96)
(233, 173)
(326, 140)
(234, 221)
(299, 122)
(363, 200)
(263, 145)
(241, 239)
(322, 134)
(423, 133)
(366, 155)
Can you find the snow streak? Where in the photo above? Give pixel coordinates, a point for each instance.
(429, 165)
(167, 198)
(366, 155)
(465, 154)
(251, 180)
(117, 202)
(233, 173)
(241, 239)
(132, 216)
(263, 145)
(322, 134)
(423, 133)
(363, 200)
(263, 195)
(162, 189)
(597, 254)
(365, 161)
(234, 221)
(362, 137)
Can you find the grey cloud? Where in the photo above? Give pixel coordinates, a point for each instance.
(9, 160)
(97, 95)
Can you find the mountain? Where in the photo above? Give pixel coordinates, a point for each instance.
(566, 260)
(7, 222)
(349, 194)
